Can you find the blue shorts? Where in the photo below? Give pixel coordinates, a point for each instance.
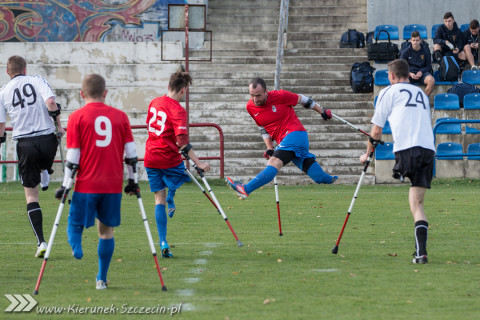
(85, 207)
(172, 178)
(297, 141)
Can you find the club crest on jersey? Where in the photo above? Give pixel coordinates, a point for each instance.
(454, 37)
(274, 109)
(422, 56)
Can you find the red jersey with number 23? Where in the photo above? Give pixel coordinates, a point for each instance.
(277, 115)
(166, 119)
(100, 131)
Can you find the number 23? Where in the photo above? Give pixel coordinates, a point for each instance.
(161, 117)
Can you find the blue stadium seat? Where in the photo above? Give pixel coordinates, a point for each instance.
(448, 128)
(387, 129)
(385, 151)
(409, 28)
(436, 75)
(446, 101)
(473, 148)
(470, 130)
(471, 76)
(464, 26)
(471, 101)
(391, 29)
(449, 148)
(434, 29)
(381, 78)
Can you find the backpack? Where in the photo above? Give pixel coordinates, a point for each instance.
(449, 69)
(462, 89)
(361, 77)
(370, 37)
(352, 39)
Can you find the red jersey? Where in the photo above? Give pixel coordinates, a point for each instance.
(100, 131)
(277, 115)
(166, 119)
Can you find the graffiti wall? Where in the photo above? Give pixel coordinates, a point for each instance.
(77, 20)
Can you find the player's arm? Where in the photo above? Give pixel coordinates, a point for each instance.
(73, 158)
(375, 134)
(268, 142)
(131, 160)
(308, 103)
(54, 111)
(185, 147)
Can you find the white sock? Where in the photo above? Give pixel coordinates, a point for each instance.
(44, 178)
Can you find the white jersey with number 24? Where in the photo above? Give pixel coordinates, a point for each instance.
(407, 108)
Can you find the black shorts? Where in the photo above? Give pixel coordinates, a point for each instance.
(34, 155)
(416, 164)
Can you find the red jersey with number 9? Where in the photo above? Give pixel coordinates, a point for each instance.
(100, 131)
(277, 115)
(166, 119)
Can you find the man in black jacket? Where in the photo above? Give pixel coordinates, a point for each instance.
(419, 62)
(448, 39)
(470, 38)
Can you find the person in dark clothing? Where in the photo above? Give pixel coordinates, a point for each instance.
(470, 38)
(448, 39)
(420, 63)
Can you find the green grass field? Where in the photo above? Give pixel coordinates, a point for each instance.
(291, 277)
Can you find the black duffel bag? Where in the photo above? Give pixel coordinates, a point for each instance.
(382, 51)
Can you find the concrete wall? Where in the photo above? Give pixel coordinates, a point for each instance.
(427, 12)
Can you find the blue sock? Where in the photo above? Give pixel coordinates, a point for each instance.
(261, 179)
(74, 233)
(170, 203)
(105, 252)
(161, 218)
(319, 176)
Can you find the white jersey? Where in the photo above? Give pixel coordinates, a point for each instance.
(407, 108)
(23, 98)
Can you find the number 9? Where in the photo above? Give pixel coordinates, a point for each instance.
(107, 132)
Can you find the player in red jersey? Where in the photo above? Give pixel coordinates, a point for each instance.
(98, 137)
(167, 134)
(274, 115)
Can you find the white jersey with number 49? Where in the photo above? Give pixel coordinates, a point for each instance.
(23, 98)
(407, 108)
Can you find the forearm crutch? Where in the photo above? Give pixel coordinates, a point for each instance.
(217, 204)
(133, 163)
(55, 226)
(367, 163)
(275, 182)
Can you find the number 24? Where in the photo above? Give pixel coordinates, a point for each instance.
(418, 99)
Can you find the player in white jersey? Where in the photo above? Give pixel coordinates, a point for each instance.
(30, 103)
(407, 108)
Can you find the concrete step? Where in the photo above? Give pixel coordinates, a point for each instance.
(244, 89)
(307, 64)
(293, 10)
(275, 4)
(338, 27)
(271, 74)
(284, 82)
(272, 52)
(214, 97)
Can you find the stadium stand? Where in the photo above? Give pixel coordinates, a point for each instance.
(447, 164)
(434, 29)
(471, 76)
(446, 101)
(471, 101)
(381, 78)
(384, 162)
(464, 26)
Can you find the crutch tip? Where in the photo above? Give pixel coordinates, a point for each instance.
(35, 292)
(240, 244)
(164, 288)
(335, 250)
(280, 234)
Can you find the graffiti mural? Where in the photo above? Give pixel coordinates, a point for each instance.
(77, 20)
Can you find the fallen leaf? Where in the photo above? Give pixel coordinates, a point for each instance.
(136, 292)
(353, 275)
(89, 299)
(416, 271)
(392, 254)
(119, 260)
(279, 260)
(266, 301)
(235, 272)
(259, 251)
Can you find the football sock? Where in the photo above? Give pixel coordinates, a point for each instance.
(44, 179)
(161, 218)
(421, 235)
(105, 252)
(261, 179)
(318, 175)
(170, 203)
(36, 220)
(75, 239)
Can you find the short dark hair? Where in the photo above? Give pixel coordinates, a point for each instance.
(415, 34)
(93, 86)
(448, 15)
(179, 80)
(258, 81)
(473, 24)
(399, 68)
(16, 65)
